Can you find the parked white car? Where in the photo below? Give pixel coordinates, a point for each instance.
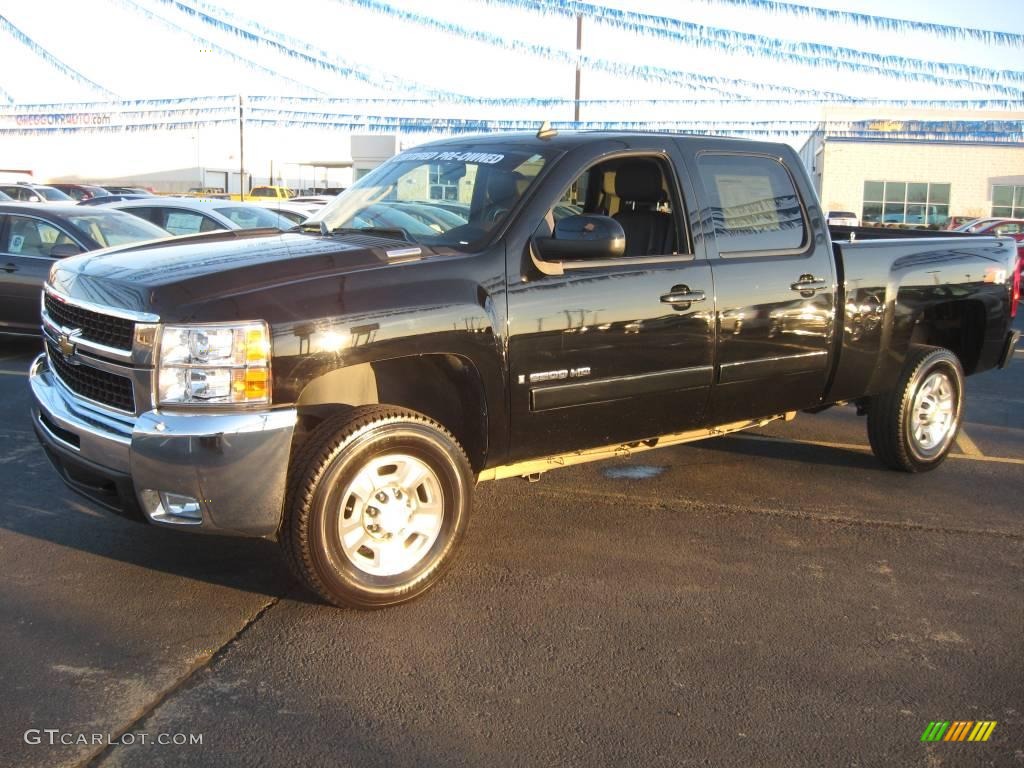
(843, 219)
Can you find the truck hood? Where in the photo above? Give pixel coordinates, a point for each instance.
(163, 277)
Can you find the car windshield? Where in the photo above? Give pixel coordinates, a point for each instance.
(52, 193)
(115, 228)
(454, 196)
(254, 217)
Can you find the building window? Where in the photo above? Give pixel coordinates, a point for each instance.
(913, 203)
(1008, 201)
(443, 186)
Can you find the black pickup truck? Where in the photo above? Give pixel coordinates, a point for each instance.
(492, 307)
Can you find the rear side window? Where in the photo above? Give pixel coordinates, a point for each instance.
(179, 222)
(754, 204)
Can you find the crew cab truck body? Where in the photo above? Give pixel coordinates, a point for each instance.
(341, 387)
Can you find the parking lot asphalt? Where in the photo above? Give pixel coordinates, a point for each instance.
(767, 599)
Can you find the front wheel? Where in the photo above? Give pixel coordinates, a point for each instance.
(378, 501)
(912, 427)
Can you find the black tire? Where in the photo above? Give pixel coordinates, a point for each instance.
(892, 417)
(324, 506)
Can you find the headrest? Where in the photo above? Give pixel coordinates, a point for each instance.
(639, 181)
(502, 185)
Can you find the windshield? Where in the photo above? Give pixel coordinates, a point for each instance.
(450, 197)
(52, 193)
(254, 217)
(115, 228)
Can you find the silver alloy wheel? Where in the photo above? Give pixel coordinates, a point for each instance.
(390, 514)
(933, 413)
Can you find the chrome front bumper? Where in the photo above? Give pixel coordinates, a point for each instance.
(233, 464)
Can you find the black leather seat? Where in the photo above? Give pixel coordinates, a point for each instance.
(503, 190)
(648, 231)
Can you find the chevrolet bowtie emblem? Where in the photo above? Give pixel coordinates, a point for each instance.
(66, 343)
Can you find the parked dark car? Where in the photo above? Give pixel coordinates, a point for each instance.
(33, 237)
(35, 193)
(128, 191)
(81, 191)
(114, 197)
(342, 387)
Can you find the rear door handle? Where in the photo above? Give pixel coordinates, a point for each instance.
(808, 284)
(682, 295)
(9, 267)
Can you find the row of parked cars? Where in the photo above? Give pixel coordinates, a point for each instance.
(33, 236)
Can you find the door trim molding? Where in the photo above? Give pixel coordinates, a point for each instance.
(619, 387)
(750, 370)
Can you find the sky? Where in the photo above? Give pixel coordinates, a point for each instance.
(323, 61)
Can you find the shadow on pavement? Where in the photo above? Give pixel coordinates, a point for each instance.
(782, 449)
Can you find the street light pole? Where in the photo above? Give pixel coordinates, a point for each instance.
(241, 149)
(579, 48)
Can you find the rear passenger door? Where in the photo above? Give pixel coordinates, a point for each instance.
(775, 286)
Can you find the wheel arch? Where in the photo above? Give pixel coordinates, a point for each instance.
(447, 388)
(958, 326)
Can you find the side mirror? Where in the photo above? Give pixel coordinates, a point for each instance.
(580, 240)
(63, 250)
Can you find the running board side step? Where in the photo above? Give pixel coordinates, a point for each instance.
(532, 469)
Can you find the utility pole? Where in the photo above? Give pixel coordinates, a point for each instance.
(579, 49)
(241, 149)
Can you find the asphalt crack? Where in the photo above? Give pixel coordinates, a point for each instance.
(204, 661)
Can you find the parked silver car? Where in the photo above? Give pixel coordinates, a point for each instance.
(35, 193)
(187, 216)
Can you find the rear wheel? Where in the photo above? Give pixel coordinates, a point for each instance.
(378, 501)
(912, 427)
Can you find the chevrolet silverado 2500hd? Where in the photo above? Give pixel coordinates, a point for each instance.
(493, 307)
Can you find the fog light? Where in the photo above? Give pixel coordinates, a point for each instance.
(174, 508)
(181, 506)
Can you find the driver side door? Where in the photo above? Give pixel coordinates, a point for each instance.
(606, 353)
(26, 245)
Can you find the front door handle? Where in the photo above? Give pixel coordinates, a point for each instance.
(681, 294)
(9, 267)
(808, 284)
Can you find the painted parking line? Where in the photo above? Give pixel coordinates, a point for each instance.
(867, 448)
(4, 372)
(967, 445)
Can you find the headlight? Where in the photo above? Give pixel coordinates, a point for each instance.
(214, 364)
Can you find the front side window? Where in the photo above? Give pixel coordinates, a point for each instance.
(1008, 201)
(754, 204)
(637, 192)
(906, 203)
(32, 237)
(454, 197)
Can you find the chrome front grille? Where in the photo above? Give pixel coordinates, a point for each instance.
(116, 332)
(102, 387)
